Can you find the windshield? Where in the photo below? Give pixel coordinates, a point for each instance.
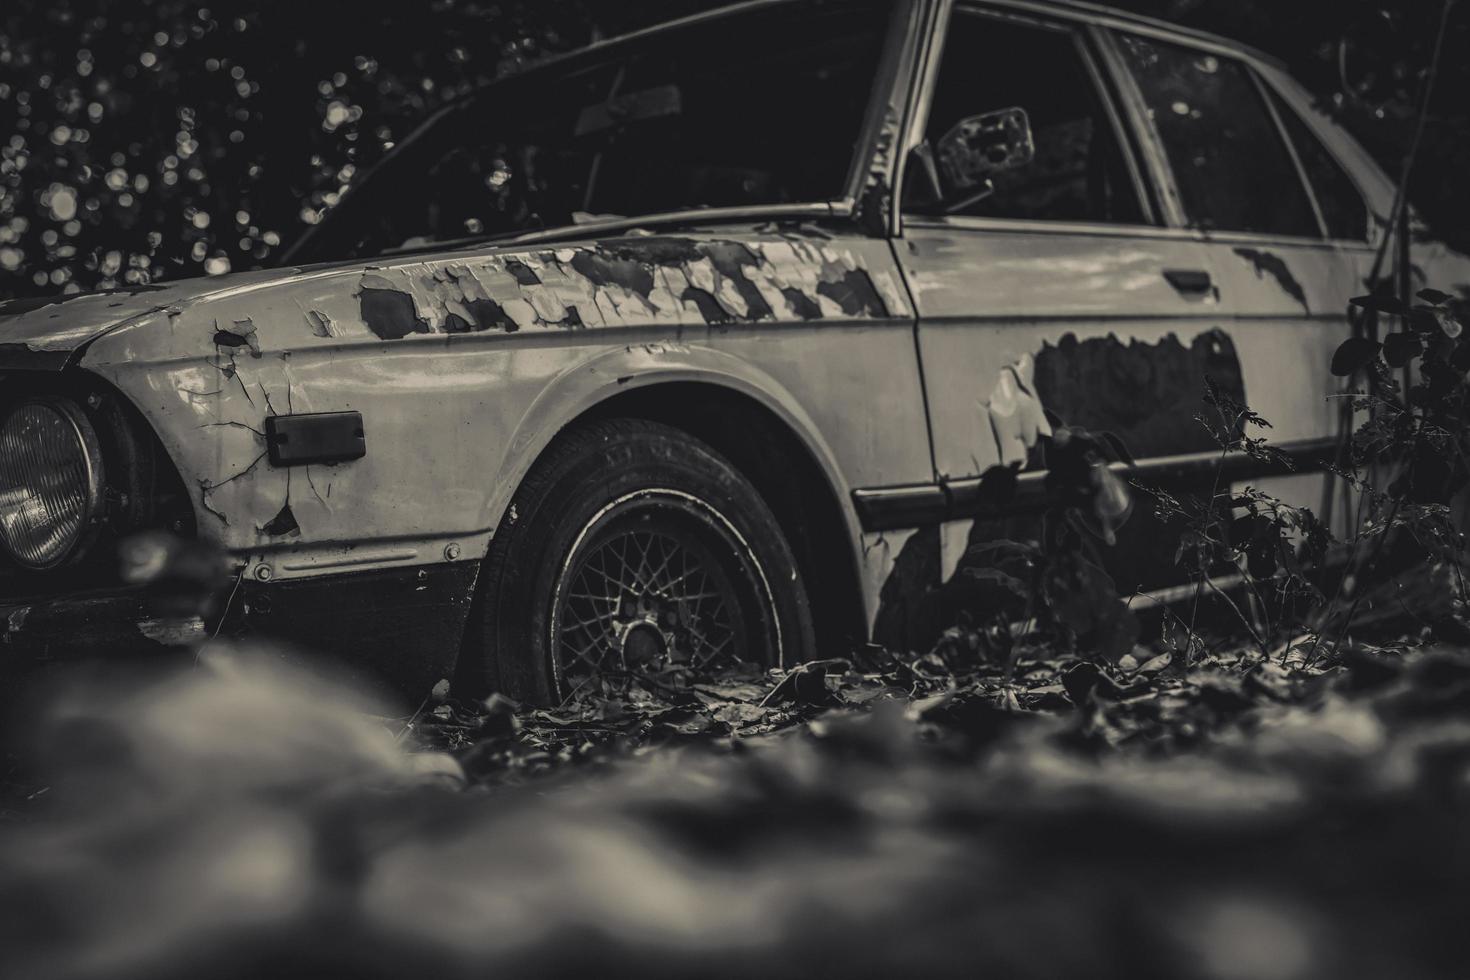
(762, 109)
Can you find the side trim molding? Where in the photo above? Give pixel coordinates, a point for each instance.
(915, 505)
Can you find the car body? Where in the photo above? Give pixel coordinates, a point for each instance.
(353, 431)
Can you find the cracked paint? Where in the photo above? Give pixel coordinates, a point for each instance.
(1273, 265)
(1017, 419)
(241, 333)
(320, 323)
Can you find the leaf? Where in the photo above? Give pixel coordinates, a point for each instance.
(994, 575)
(997, 485)
(1155, 664)
(1270, 679)
(1434, 296)
(440, 691)
(738, 715)
(714, 694)
(683, 722)
(1460, 359)
(1452, 327)
(805, 684)
(1005, 549)
(1401, 348)
(1118, 447)
(1381, 303)
(500, 716)
(1352, 355)
(920, 709)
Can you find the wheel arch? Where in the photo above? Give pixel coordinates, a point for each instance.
(747, 417)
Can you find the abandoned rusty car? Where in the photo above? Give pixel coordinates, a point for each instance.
(663, 349)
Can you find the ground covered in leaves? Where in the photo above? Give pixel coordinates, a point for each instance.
(1302, 815)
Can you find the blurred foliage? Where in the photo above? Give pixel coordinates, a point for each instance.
(165, 140)
(1244, 817)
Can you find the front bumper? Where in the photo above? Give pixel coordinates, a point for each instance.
(107, 623)
(400, 626)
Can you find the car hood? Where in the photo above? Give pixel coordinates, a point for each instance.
(46, 333)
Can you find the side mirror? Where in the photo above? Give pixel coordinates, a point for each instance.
(977, 147)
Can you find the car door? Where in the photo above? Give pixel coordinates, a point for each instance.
(1237, 163)
(1054, 296)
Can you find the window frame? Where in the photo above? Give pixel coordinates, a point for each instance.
(1275, 96)
(1157, 153)
(1085, 38)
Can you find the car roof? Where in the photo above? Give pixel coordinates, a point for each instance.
(1077, 9)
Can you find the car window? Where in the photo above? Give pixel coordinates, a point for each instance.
(1232, 169)
(1343, 208)
(499, 162)
(748, 110)
(767, 113)
(993, 65)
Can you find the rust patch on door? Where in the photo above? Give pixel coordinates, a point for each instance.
(1147, 395)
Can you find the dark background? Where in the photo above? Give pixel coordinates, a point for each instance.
(141, 142)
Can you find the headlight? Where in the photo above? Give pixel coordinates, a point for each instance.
(50, 481)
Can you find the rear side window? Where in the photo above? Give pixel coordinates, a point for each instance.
(1343, 208)
(1233, 170)
(1074, 169)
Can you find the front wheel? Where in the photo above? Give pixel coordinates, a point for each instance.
(633, 548)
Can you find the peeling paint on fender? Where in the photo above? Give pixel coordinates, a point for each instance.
(445, 354)
(629, 282)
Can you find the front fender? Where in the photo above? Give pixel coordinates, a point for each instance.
(464, 368)
(614, 371)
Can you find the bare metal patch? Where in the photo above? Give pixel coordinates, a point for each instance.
(1016, 417)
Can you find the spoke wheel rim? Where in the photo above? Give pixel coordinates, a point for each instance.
(658, 579)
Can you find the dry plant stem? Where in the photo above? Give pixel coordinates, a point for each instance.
(1454, 555)
(1349, 569)
(1204, 574)
(1258, 606)
(1244, 620)
(1372, 559)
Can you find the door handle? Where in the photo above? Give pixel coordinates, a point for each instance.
(1189, 280)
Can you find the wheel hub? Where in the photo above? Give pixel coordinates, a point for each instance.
(648, 628)
(647, 591)
(643, 643)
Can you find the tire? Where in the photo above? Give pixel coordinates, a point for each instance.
(629, 545)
